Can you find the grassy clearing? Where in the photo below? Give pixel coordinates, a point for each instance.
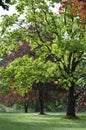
(33, 121)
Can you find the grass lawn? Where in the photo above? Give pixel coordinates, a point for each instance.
(34, 121)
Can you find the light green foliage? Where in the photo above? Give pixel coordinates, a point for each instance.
(23, 72)
(63, 37)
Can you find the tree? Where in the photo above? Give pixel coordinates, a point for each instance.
(24, 71)
(59, 39)
(22, 50)
(11, 97)
(77, 8)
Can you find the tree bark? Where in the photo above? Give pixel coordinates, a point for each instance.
(71, 103)
(41, 101)
(26, 107)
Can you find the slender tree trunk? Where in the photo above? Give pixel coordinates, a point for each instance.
(26, 107)
(71, 103)
(41, 101)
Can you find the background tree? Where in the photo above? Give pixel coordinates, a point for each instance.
(20, 52)
(13, 97)
(16, 98)
(81, 105)
(77, 8)
(23, 72)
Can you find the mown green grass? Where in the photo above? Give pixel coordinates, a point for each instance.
(34, 121)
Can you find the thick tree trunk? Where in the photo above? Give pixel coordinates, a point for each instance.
(26, 107)
(41, 101)
(71, 103)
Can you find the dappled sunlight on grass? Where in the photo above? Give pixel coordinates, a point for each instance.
(34, 121)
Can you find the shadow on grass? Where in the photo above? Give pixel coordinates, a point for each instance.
(40, 122)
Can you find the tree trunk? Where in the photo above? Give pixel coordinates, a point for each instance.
(26, 107)
(41, 101)
(71, 103)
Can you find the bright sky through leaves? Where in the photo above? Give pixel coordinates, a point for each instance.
(5, 12)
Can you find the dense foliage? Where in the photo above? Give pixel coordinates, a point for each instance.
(57, 40)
